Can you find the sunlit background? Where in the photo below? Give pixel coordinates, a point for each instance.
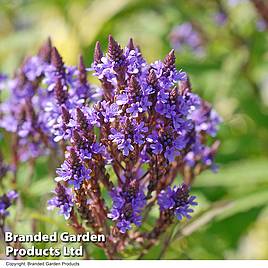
(227, 62)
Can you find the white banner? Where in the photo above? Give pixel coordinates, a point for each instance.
(133, 264)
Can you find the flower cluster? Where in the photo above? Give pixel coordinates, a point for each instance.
(127, 206)
(178, 200)
(73, 171)
(6, 201)
(220, 17)
(206, 124)
(63, 200)
(8, 198)
(185, 35)
(126, 140)
(40, 89)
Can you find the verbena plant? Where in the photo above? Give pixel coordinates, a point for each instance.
(124, 141)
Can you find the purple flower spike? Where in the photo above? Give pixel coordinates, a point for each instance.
(63, 200)
(178, 200)
(185, 35)
(73, 171)
(6, 201)
(127, 206)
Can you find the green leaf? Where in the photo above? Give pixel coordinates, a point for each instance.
(241, 173)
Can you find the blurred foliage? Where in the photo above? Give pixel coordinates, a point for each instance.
(233, 214)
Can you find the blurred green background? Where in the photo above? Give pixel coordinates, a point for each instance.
(232, 219)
